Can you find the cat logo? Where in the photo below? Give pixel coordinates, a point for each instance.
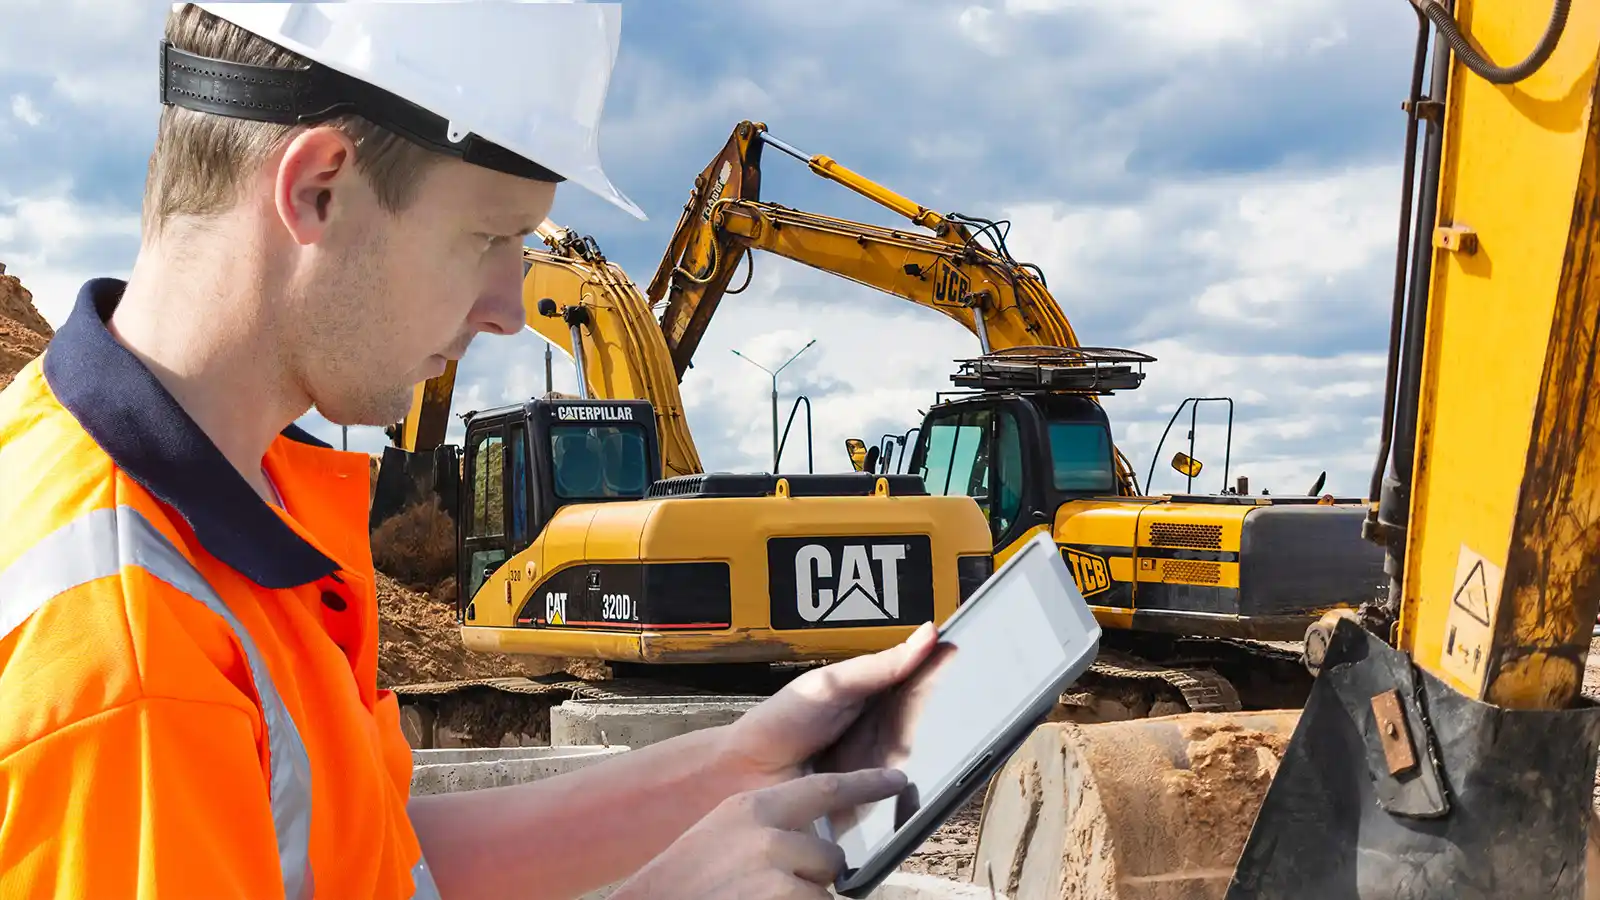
(858, 592)
(840, 581)
(1091, 572)
(555, 608)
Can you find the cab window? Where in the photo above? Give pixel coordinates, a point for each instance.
(1080, 458)
(957, 459)
(595, 462)
(488, 486)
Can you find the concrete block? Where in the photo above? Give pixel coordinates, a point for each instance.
(898, 886)
(913, 886)
(452, 756)
(640, 721)
(448, 771)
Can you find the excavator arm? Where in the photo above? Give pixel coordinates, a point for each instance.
(584, 304)
(960, 267)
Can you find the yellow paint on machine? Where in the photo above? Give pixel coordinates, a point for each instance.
(1518, 161)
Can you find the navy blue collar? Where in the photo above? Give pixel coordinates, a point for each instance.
(134, 419)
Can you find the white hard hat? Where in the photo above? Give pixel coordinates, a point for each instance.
(513, 85)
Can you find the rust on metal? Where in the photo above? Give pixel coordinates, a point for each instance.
(1394, 732)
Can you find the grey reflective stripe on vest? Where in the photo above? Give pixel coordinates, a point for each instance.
(423, 879)
(101, 544)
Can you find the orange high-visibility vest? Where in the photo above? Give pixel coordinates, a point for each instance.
(188, 676)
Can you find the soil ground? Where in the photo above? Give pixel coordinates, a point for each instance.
(23, 332)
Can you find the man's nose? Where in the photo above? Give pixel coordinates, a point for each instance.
(500, 309)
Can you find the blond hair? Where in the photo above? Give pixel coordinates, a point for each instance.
(200, 161)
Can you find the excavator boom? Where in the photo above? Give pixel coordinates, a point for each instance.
(962, 269)
(981, 286)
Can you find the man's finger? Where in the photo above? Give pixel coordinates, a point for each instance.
(859, 677)
(797, 803)
(806, 855)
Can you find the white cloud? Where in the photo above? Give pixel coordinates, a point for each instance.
(97, 55)
(1045, 112)
(54, 243)
(23, 109)
(1160, 28)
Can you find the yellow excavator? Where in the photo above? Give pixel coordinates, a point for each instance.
(587, 528)
(1446, 749)
(1027, 437)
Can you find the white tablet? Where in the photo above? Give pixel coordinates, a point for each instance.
(1000, 665)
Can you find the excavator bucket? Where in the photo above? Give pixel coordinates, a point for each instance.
(1397, 785)
(1387, 784)
(433, 470)
(405, 479)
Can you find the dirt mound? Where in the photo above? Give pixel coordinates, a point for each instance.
(417, 546)
(23, 332)
(419, 641)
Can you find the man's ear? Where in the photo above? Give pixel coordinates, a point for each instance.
(315, 170)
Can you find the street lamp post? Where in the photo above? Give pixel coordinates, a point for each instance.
(774, 374)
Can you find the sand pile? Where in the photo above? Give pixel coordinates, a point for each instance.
(419, 641)
(23, 332)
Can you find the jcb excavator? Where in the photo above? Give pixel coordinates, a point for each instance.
(1445, 750)
(586, 527)
(1029, 440)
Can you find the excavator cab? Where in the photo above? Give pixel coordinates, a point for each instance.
(523, 463)
(1018, 456)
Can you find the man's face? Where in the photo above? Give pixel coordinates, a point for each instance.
(379, 301)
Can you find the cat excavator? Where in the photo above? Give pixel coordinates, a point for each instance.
(587, 528)
(1446, 749)
(1202, 581)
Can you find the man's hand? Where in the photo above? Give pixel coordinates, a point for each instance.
(769, 743)
(761, 844)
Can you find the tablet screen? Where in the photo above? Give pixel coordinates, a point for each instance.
(985, 670)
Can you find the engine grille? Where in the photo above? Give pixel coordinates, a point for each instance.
(1174, 534)
(1189, 571)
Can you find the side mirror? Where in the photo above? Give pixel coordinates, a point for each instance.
(857, 448)
(1187, 465)
(547, 308)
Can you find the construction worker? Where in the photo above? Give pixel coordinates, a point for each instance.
(335, 205)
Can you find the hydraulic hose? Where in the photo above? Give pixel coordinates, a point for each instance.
(1446, 23)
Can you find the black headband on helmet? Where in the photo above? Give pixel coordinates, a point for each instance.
(303, 96)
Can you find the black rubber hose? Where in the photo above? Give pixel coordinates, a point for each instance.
(1475, 61)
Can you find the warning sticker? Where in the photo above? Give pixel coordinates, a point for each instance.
(1469, 626)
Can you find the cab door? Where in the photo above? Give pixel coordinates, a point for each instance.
(981, 451)
(496, 495)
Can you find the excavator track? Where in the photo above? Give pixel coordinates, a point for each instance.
(1141, 675)
(1202, 690)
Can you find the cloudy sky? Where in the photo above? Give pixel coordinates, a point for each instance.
(1215, 183)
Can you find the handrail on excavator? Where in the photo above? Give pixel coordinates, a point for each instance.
(810, 445)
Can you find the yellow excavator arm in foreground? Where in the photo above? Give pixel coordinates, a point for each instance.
(586, 305)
